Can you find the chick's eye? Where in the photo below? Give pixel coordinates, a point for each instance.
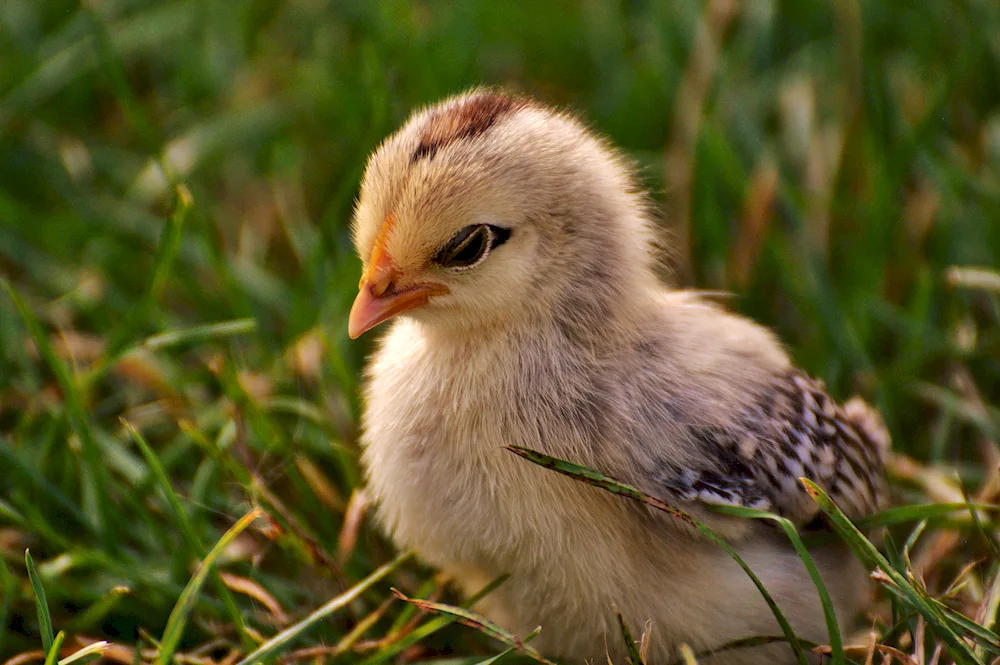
(470, 246)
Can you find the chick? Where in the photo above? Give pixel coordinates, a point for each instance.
(520, 253)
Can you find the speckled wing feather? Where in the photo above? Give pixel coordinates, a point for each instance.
(795, 430)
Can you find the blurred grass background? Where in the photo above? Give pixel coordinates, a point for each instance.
(176, 183)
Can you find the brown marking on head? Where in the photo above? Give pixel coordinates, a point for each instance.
(469, 119)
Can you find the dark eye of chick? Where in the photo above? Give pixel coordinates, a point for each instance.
(470, 246)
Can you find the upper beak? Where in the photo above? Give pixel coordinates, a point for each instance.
(379, 298)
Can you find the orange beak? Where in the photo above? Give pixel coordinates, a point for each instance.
(379, 297)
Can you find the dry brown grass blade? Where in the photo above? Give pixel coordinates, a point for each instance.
(25, 657)
(868, 651)
(320, 485)
(354, 515)
(298, 530)
(758, 209)
(473, 620)
(248, 587)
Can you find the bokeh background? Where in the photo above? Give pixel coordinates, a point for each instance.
(176, 186)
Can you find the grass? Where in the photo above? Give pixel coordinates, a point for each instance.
(176, 181)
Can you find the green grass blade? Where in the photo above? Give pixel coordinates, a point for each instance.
(11, 514)
(106, 518)
(492, 660)
(8, 585)
(429, 628)
(185, 604)
(925, 511)
(195, 546)
(283, 639)
(745, 643)
(200, 334)
(166, 251)
(191, 538)
(600, 480)
(829, 612)
(473, 620)
(992, 602)
(869, 554)
(981, 637)
(41, 603)
(170, 244)
(13, 465)
(630, 647)
(983, 533)
(98, 611)
(409, 611)
(988, 639)
(52, 653)
(110, 62)
(912, 539)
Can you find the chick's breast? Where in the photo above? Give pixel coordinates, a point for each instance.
(437, 419)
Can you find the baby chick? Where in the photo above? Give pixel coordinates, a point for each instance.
(520, 252)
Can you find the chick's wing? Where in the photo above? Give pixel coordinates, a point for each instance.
(793, 430)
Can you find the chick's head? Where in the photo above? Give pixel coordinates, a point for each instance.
(485, 208)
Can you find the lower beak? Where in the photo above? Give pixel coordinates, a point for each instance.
(369, 309)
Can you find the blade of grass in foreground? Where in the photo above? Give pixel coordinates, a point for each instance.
(990, 604)
(869, 554)
(829, 613)
(497, 658)
(473, 620)
(185, 604)
(403, 618)
(41, 604)
(429, 628)
(633, 653)
(52, 653)
(922, 511)
(744, 643)
(285, 637)
(604, 482)
(987, 638)
(87, 653)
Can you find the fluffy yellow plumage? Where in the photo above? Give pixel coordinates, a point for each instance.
(519, 251)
